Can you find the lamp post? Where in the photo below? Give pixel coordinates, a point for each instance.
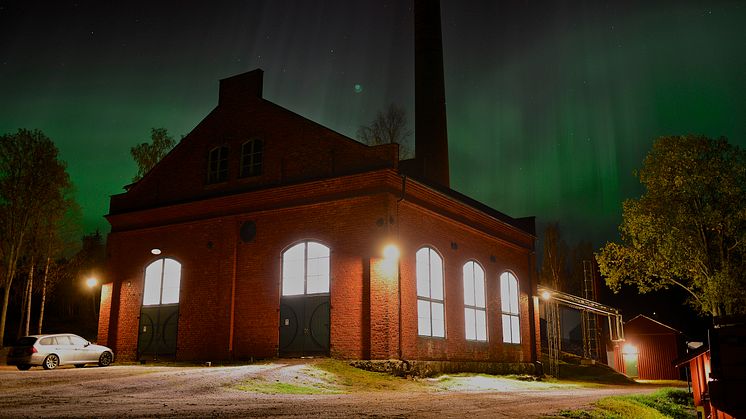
(92, 283)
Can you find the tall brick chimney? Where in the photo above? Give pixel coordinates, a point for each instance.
(431, 133)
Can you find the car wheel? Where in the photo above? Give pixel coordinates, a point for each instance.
(51, 362)
(105, 359)
(23, 367)
(79, 365)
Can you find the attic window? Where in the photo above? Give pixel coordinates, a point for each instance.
(217, 165)
(251, 158)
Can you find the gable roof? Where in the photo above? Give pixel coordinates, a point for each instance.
(643, 318)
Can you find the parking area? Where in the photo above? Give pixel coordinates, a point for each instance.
(179, 391)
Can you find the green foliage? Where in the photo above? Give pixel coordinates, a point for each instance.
(664, 403)
(689, 227)
(147, 155)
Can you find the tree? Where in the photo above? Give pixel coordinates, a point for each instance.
(32, 178)
(688, 229)
(147, 155)
(389, 126)
(554, 262)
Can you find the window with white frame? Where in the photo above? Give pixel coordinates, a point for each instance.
(162, 282)
(251, 158)
(475, 310)
(305, 269)
(217, 165)
(510, 308)
(430, 308)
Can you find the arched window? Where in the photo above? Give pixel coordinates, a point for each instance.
(217, 165)
(430, 309)
(510, 308)
(305, 269)
(475, 311)
(251, 158)
(162, 282)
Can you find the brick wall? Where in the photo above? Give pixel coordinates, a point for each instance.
(219, 271)
(104, 314)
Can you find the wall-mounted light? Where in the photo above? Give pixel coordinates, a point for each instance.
(91, 282)
(546, 295)
(391, 252)
(155, 251)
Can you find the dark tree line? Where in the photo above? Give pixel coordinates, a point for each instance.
(39, 230)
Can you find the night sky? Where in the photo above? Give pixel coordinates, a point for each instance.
(551, 106)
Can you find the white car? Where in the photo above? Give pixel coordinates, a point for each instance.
(50, 351)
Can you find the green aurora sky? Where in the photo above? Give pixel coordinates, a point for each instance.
(550, 108)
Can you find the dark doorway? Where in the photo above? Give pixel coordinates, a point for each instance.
(304, 325)
(158, 331)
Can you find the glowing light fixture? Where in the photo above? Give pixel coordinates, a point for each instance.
(546, 295)
(91, 282)
(629, 349)
(155, 251)
(391, 252)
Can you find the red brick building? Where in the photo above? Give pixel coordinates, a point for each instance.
(264, 234)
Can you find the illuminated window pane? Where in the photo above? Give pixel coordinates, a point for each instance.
(469, 284)
(505, 292)
(162, 282)
(423, 272)
(507, 329)
(479, 286)
(481, 325)
(423, 318)
(171, 281)
(430, 293)
(436, 276)
(510, 308)
(318, 269)
(305, 269)
(293, 270)
(439, 329)
(152, 291)
(470, 323)
(515, 329)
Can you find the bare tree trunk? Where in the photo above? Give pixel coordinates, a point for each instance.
(22, 320)
(4, 314)
(43, 294)
(30, 292)
(10, 273)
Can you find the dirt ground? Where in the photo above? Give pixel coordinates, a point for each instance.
(188, 391)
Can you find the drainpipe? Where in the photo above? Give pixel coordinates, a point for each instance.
(398, 263)
(233, 291)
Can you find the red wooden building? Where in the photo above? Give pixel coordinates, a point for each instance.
(264, 234)
(649, 350)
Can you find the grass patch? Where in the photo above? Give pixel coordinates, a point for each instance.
(264, 387)
(487, 382)
(349, 378)
(665, 403)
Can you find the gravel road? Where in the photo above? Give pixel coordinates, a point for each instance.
(177, 391)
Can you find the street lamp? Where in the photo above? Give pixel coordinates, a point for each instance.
(91, 283)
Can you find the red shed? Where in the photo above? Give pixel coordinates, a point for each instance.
(650, 349)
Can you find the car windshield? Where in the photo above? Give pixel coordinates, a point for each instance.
(26, 341)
